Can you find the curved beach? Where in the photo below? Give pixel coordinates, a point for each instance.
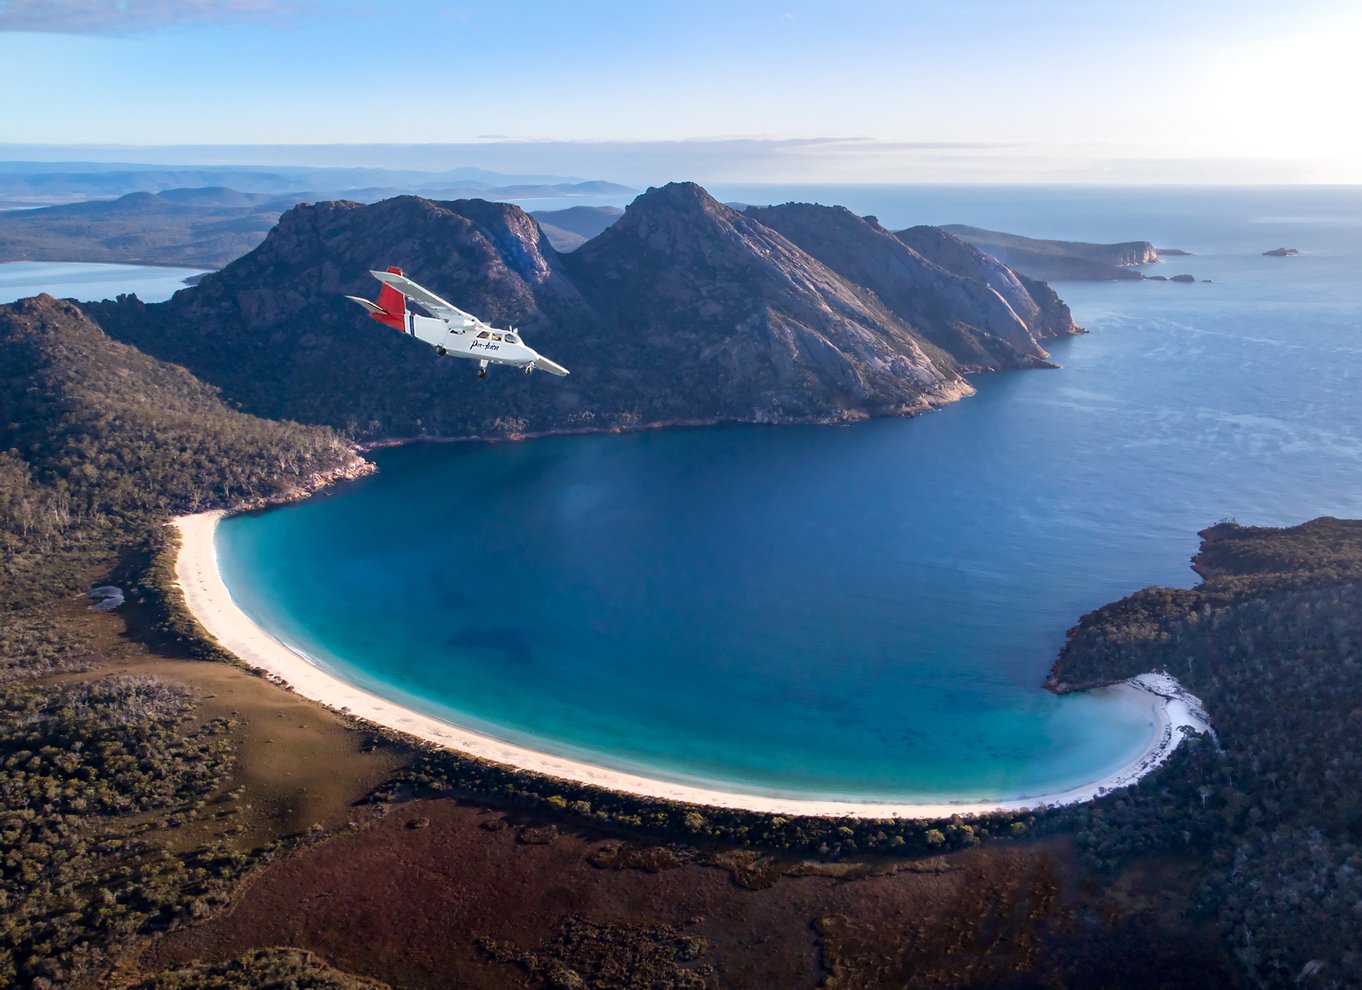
(207, 597)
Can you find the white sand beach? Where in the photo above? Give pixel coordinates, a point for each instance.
(211, 603)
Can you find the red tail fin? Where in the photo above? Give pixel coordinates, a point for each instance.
(394, 306)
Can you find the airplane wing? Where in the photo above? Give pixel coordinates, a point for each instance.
(426, 299)
(542, 363)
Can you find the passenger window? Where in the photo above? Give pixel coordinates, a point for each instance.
(496, 336)
(483, 335)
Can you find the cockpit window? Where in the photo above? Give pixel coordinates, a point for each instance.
(496, 336)
(512, 339)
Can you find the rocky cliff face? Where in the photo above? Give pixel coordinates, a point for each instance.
(683, 310)
(1040, 312)
(965, 302)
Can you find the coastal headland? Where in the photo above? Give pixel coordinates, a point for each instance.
(209, 600)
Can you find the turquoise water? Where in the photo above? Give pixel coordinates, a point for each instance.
(864, 611)
(78, 280)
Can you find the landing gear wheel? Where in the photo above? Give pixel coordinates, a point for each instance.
(439, 349)
(482, 372)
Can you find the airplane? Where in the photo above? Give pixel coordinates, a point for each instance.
(449, 329)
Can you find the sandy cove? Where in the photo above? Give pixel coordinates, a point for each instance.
(207, 597)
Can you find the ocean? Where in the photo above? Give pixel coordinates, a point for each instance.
(864, 611)
(90, 281)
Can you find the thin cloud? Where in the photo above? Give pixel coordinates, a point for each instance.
(840, 146)
(125, 17)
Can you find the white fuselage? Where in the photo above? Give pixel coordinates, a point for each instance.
(476, 340)
(449, 329)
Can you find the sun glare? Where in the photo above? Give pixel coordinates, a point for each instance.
(1289, 96)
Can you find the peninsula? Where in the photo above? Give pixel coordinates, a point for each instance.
(1054, 260)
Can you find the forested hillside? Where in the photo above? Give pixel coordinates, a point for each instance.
(99, 443)
(1272, 643)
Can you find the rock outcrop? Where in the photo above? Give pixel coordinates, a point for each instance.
(962, 312)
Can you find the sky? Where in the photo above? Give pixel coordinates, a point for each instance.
(739, 91)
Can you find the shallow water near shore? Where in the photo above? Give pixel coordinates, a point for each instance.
(860, 612)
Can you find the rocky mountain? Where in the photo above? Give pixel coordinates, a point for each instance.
(970, 305)
(746, 322)
(683, 310)
(273, 330)
(1060, 260)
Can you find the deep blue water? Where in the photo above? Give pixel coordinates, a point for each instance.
(88, 281)
(869, 610)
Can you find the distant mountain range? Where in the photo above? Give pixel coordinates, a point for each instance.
(682, 310)
(33, 184)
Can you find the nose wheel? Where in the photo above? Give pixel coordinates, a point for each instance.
(439, 349)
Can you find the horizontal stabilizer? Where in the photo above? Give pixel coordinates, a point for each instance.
(372, 307)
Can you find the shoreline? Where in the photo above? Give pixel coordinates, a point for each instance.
(207, 598)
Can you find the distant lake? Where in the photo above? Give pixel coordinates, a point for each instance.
(90, 282)
(862, 611)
